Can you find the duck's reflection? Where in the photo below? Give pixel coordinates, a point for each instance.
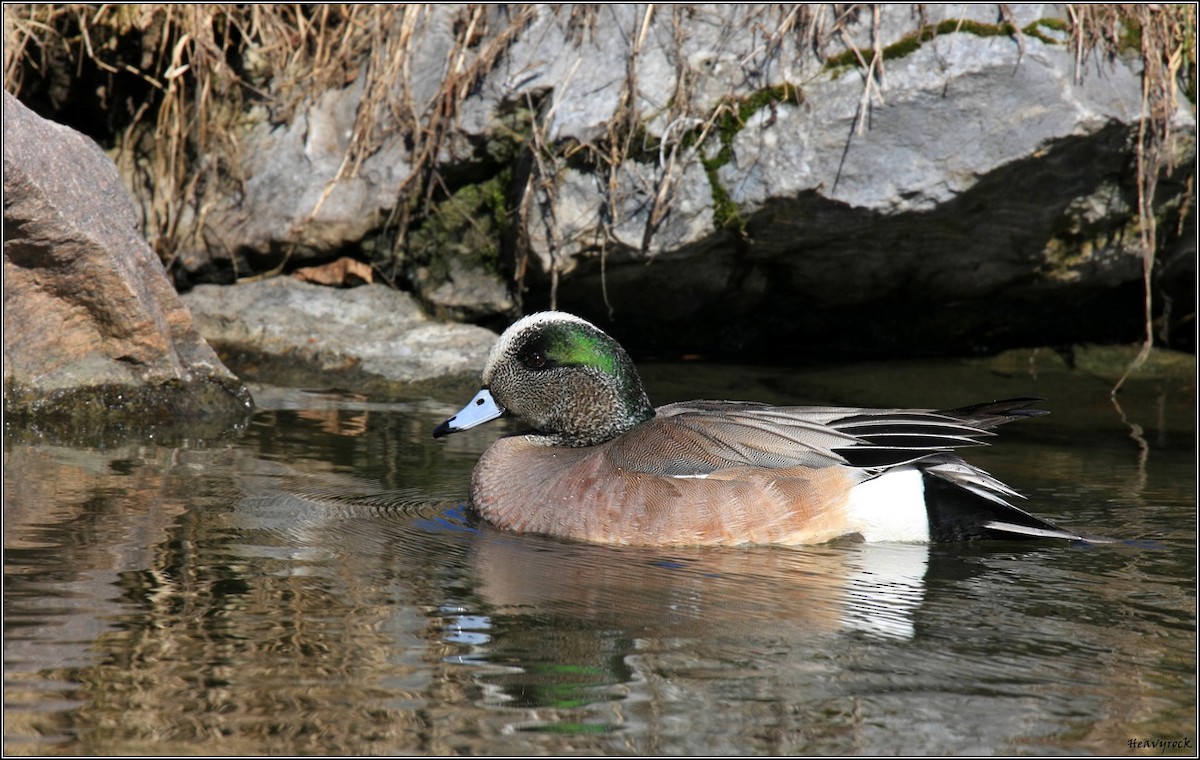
(620, 639)
(872, 588)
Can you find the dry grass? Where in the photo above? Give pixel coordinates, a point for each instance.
(1165, 38)
(202, 68)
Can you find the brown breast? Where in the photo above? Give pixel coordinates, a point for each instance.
(579, 493)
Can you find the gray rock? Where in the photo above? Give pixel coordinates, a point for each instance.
(298, 193)
(93, 330)
(371, 338)
(980, 182)
(470, 293)
(990, 183)
(952, 112)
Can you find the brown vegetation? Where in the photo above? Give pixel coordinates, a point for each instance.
(1165, 36)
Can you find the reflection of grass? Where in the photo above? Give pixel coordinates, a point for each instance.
(561, 686)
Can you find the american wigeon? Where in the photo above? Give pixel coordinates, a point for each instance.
(600, 464)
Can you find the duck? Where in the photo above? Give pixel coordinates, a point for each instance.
(596, 462)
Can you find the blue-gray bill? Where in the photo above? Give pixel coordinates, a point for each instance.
(480, 409)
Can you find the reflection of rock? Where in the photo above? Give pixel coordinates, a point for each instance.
(85, 516)
(373, 338)
(93, 329)
(117, 563)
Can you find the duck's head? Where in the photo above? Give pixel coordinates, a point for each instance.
(563, 377)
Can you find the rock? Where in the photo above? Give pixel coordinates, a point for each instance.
(372, 338)
(452, 258)
(1176, 281)
(992, 182)
(470, 293)
(93, 330)
(301, 200)
(727, 177)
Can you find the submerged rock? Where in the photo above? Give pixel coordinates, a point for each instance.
(372, 338)
(94, 333)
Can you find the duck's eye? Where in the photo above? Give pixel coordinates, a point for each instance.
(535, 360)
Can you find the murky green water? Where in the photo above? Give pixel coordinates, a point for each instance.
(313, 586)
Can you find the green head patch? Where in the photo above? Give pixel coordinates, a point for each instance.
(567, 344)
(577, 346)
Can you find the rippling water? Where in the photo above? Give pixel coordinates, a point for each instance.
(314, 585)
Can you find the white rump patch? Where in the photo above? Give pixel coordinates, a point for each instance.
(891, 507)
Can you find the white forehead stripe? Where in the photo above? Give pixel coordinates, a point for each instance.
(505, 344)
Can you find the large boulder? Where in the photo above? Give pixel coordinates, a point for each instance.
(93, 329)
(980, 193)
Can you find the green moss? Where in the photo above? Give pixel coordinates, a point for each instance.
(508, 135)
(1055, 25)
(950, 26)
(470, 225)
(1131, 36)
(912, 42)
(725, 211)
(784, 93)
(733, 118)
(215, 402)
(467, 226)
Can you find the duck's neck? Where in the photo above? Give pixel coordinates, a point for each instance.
(633, 402)
(611, 411)
(636, 414)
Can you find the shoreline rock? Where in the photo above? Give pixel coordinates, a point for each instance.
(94, 332)
(728, 180)
(371, 338)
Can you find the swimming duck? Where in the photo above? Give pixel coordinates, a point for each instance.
(600, 464)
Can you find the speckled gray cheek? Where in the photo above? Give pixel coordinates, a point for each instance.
(505, 387)
(589, 410)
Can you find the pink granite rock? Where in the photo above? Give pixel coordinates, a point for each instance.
(92, 326)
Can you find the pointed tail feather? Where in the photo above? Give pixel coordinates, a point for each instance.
(989, 414)
(965, 504)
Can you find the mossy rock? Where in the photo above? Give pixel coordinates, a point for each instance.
(467, 226)
(454, 256)
(85, 415)
(1049, 30)
(1107, 363)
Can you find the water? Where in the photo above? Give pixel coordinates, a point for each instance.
(313, 585)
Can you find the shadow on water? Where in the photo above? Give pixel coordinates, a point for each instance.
(316, 586)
